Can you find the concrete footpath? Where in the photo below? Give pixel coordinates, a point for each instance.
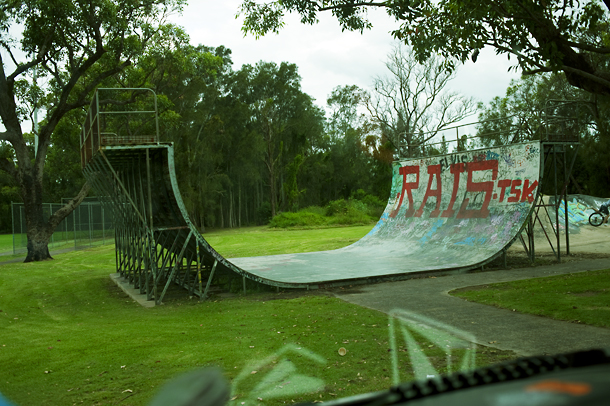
(492, 327)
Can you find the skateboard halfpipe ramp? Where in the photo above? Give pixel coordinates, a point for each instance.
(451, 212)
(456, 211)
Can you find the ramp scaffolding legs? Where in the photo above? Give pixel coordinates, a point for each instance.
(557, 169)
(149, 256)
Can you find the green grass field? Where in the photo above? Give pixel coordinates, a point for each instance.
(69, 336)
(6, 243)
(257, 241)
(582, 297)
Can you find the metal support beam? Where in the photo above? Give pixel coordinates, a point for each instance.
(207, 286)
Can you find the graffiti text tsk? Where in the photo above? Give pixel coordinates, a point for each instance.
(513, 190)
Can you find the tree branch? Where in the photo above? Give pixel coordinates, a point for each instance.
(587, 75)
(69, 207)
(587, 47)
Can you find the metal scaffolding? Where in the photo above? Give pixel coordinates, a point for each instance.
(560, 145)
(156, 243)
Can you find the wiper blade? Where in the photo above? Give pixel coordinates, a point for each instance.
(518, 369)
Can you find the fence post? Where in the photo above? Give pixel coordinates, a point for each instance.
(90, 225)
(13, 224)
(103, 224)
(74, 224)
(53, 234)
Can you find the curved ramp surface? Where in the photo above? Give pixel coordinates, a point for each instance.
(449, 212)
(456, 211)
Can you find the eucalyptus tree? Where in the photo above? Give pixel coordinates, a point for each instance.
(535, 107)
(519, 115)
(53, 57)
(284, 121)
(353, 144)
(189, 83)
(413, 104)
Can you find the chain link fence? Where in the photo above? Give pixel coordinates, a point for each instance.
(88, 225)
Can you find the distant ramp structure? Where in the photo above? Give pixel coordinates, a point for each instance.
(445, 213)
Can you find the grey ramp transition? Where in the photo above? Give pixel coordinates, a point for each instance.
(451, 212)
(445, 213)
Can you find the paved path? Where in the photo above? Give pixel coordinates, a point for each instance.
(524, 334)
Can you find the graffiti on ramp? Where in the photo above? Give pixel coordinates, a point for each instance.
(453, 211)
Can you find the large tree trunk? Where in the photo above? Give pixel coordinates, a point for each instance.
(38, 246)
(39, 231)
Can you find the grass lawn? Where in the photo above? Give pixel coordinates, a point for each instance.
(69, 336)
(258, 241)
(582, 297)
(6, 243)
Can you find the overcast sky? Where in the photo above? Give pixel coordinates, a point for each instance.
(325, 56)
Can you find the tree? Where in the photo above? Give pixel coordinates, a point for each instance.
(64, 52)
(356, 164)
(283, 118)
(519, 115)
(544, 36)
(537, 107)
(412, 105)
(189, 81)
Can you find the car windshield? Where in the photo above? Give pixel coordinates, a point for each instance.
(228, 239)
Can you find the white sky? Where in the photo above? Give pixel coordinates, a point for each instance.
(325, 56)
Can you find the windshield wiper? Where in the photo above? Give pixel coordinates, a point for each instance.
(505, 372)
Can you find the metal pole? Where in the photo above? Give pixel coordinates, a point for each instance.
(53, 234)
(21, 226)
(530, 225)
(13, 224)
(565, 200)
(90, 225)
(74, 224)
(153, 246)
(199, 270)
(557, 204)
(73, 239)
(103, 226)
(207, 286)
(150, 213)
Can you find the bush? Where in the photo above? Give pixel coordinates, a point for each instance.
(359, 210)
(352, 216)
(299, 219)
(314, 209)
(336, 207)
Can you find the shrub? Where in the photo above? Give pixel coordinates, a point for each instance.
(298, 219)
(336, 207)
(337, 213)
(352, 216)
(314, 209)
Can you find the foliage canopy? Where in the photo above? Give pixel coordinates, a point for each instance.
(544, 36)
(54, 54)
